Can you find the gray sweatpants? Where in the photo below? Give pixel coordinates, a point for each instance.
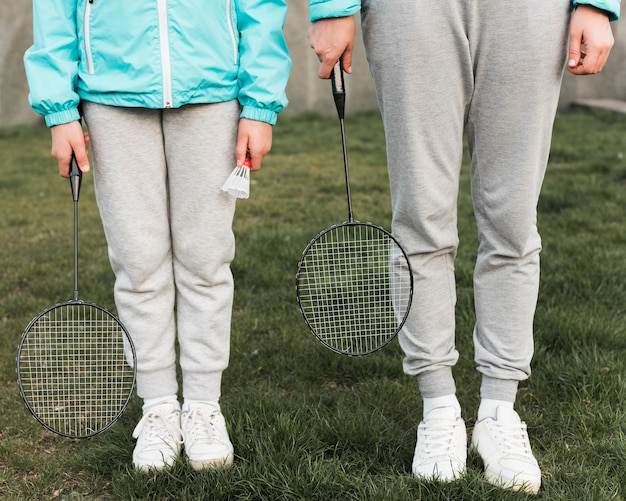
(157, 176)
(494, 69)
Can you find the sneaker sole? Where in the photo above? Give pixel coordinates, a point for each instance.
(153, 467)
(527, 486)
(438, 477)
(203, 464)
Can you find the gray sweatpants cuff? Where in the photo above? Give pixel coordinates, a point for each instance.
(498, 389)
(437, 383)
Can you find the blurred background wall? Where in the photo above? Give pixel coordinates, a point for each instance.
(305, 91)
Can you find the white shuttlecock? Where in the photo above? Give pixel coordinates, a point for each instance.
(238, 183)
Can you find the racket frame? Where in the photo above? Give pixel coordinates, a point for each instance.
(24, 393)
(303, 309)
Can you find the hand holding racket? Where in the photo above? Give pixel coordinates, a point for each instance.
(354, 282)
(76, 363)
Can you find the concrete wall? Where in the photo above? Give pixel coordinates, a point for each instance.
(306, 92)
(15, 37)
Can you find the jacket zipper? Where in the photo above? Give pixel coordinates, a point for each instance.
(231, 28)
(165, 55)
(87, 30)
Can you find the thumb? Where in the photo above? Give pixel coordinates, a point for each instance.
(82, 157)
(241, 152)
(346, 61)
(575, 50)
(81, 152)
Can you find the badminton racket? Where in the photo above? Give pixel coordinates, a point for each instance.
(75, 360)
(354, 283)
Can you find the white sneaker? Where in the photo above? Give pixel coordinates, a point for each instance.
(505, 450)
(441, 450)
(159, 437)
(205, 436)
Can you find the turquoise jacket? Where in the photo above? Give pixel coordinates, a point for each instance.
(157, 54)
(320, 9)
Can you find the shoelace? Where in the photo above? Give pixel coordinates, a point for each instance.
(199, 425)
(156, 428)
(513, 438)
(437, 439)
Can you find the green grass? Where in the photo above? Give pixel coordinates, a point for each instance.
(308, 424)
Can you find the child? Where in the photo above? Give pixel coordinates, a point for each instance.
(173, 96)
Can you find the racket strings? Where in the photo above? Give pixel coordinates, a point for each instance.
(354, 287)
(73, 369)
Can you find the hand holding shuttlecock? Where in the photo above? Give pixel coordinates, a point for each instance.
(238, 183)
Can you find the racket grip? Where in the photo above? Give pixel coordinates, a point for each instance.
(339, 89)
(76, 177)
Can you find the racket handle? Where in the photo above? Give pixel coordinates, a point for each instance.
(76, 176)
(339, 89)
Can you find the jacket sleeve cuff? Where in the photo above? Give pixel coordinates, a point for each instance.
(323, 9)
(612, 7)
(259, 114)
(62, 117)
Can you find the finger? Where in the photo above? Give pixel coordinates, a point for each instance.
(252, 164)
(63, 161)
(576, 67)
(255, 160)
(245, 156)
(64, 168)
(346, 61)
(591, 63)
(326, 68)
(575, 51)
(599, 57)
